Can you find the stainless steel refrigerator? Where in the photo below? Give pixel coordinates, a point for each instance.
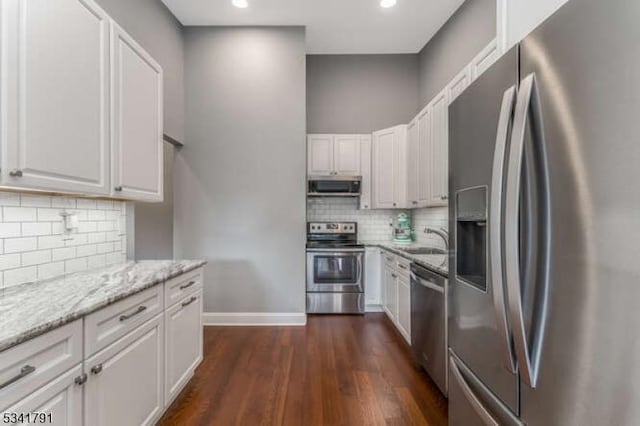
(544, 314)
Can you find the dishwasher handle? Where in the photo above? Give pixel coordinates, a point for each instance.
(427, 284)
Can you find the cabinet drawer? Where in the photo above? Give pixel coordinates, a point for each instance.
(389, 259)
(403, 266)
(109, 324)
(28, 366)
(179, 287)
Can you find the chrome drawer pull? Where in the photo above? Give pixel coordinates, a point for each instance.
(190, 301)
(189, 284)
(133, 314)
(24, 372)
(401, 266)
(81, 379)
(96, 369)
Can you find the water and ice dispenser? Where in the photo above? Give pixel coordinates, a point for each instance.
(471, 236)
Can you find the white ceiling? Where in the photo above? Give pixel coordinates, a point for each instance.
(333, 26)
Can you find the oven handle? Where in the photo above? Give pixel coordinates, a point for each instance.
(359, 280)
(336, 252)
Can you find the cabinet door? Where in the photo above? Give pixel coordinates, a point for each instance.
(413, 163)
(346, 154)
(365, 172)
(384, 169)
(59, 402)
(183, 325)
(136, 134)
(55, 96)
(404, 307)
(372, 285)
(440, 151)
(125, 383)
(320, 155)
(459, 83)
(390, 300)
(425, 137)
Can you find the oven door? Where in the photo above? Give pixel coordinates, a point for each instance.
(335, 271)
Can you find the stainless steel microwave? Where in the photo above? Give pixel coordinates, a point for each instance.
(334, 186)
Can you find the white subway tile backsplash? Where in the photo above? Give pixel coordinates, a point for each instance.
(20, 275)
(75, 265)
(34, 229)
(36, 257)
(374, 225)
(19, 214)
(49, 270)
(17, 245)
(63, 253)
(33, 244)
(8, 230)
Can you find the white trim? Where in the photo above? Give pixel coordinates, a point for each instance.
(373, 308)
(502, 25)
(254, 318)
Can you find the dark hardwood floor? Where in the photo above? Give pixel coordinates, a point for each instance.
(338, 370)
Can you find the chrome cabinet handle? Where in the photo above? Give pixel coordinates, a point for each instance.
(394, 275)
(81, 379)
(189, 284)
(190, 301)
(495, 226)
(528, 360)
(394, 204)
(15, 173)
(96, 369)
(140, 310)
(444, 197)
(401, 266)
(118, 189)
(24, 372)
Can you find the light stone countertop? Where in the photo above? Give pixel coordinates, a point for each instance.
(438, 263)
(31, 309)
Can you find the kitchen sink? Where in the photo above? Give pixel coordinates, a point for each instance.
(424, 250)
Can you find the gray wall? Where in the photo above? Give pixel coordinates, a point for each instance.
(360, 93)
(469, 30)
(152, 25)
(239, 194)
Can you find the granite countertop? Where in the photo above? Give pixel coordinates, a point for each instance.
(438, 263)
(31, 309)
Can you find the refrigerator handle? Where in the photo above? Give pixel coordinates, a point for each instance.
(527, 106)
(495, 226)
(482, 412)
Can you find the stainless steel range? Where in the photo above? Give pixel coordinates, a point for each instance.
(335, 268)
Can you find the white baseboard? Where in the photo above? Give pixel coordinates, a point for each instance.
(254, 318)
(373, 308)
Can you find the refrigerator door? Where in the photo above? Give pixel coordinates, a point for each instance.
(478, 332)
(586, 63)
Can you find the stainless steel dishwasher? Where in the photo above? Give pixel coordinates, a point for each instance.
(429, 323)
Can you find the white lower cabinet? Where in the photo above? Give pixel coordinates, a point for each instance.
(57, 403)
(404, 307)
(125, 380)
(397, 293)
(183, 346)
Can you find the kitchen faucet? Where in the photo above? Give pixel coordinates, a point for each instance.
(442, 232)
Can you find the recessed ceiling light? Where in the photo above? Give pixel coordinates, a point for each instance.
(387, 3)
(242, 4)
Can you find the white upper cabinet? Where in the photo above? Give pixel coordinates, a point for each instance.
(334, 154)
(365, 172)
(320, 155)
(439, 192)
(389, 168)
(484, 59)
(459, 83)
(55, 96)
(137, 133)
(523, 16)
(346, 155)
(424, 157)
(413, 149)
